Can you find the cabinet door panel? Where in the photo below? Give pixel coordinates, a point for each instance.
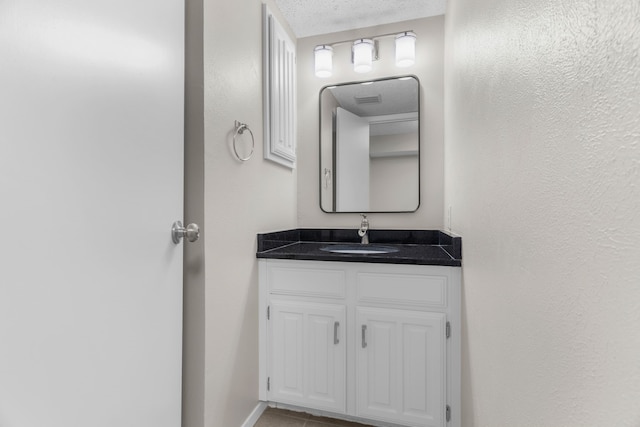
(309, 337)
(287, 353)
(381, 360)
(401, 371)
(420, 364)
(320, 360)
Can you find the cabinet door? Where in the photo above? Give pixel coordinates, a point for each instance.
(280, 98)
(307, 354)
(401, 366)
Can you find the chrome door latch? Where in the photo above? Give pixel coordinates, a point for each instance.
(178, 231)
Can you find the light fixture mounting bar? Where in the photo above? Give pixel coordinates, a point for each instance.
(374, 38)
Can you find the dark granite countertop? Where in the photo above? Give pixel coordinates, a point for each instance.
(419, 247)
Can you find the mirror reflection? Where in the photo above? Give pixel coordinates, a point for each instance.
(370, 146)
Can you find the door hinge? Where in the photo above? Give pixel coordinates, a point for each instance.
(448, 330)
(448, 413)
(268, 383)
(268, 312)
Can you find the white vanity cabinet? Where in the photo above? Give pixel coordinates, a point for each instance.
(365, 341)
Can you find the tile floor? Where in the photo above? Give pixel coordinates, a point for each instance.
(273, 417)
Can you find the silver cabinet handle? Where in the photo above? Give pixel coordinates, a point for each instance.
(178, 231)
(364, 336)
(336, 340)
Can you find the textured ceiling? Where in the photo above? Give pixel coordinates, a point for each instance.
(312, 17)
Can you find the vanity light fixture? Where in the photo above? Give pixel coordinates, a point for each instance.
(405, 49)
(324, 60)
(364, 51)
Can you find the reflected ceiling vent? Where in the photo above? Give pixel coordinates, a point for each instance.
(368, 99)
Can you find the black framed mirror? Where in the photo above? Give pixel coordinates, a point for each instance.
(370, 146)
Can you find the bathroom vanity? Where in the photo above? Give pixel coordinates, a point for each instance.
(366, 332)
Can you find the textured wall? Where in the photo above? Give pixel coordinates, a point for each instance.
(429, 70)
(240, 200)
(543, 177)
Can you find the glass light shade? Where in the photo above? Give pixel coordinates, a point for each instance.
(405, 49)
(362, 55)
(324, 61)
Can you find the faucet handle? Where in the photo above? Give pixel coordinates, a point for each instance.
(364, 226)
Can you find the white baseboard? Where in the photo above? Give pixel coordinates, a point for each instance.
(252, 419)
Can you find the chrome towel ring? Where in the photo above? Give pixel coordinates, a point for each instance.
(240, 128)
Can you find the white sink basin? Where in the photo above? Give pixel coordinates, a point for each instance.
(359, 249)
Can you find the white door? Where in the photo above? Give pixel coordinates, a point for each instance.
(352, 162)
(308, 354)
(91, 177)
(401, 366)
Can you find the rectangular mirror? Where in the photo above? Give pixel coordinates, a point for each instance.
(370, 146)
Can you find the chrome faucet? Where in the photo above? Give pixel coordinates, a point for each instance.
(364, 227)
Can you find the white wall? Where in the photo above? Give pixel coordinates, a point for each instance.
(428, 69)
(543, 177)
(391, 172)
(240, 200)
(387, 175)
